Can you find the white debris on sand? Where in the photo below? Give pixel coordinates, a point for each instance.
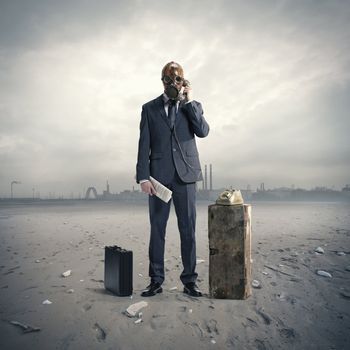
(256, 284)
(173, 288)
(341, 253)
(70, 291)
(199, 261)
(319, 250)
(47, 302)
(134, 309)
(37, 261)
(139, 320)
(324, 273)
(67, 273)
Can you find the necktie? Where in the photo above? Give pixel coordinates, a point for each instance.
(172, 112)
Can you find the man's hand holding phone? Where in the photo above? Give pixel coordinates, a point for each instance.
(187, 91)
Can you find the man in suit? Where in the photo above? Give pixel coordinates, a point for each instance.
(167, 151)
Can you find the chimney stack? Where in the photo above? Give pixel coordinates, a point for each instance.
(205, 178)
(210, 177)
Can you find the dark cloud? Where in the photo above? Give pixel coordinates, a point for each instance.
(26, 24)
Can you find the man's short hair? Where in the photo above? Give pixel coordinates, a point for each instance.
(172, 64)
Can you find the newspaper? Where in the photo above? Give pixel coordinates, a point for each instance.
(162, 192)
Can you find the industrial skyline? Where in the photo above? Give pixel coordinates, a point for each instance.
(202, 187)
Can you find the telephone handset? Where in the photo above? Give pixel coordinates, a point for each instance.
(183, 95)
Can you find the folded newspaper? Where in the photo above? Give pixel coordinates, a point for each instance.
(162, 192)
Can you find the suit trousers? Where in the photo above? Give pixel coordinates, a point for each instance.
(184, 198)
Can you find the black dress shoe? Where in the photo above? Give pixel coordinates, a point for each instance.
(152, 290)
(192, 289)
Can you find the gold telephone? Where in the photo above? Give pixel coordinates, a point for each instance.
(230, 197)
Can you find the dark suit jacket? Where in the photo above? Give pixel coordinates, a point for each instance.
(158, 150)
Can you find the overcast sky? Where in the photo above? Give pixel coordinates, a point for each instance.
(273, 78)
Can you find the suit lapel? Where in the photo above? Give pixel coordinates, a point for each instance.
(179, 112)
(160, 109)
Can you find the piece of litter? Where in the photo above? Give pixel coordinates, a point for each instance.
(199, 261)
(139, 320)
(256, 284)
(265, 273)
(140, 274)
(37, 260)
(281, 296)
(134, 309)
(341, 253)
(190, 311)
(319, 250)
(70, 291)
(47, 302)
(213, 341)
(67, 273)
(173, 288)
(81, 280)
(323, 273)
(26, 328)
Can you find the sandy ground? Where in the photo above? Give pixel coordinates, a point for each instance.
(294, 309)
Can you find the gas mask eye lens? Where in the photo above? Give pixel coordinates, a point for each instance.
(178, 79)
(166, 79)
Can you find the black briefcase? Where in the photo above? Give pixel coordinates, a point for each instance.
(118, 270)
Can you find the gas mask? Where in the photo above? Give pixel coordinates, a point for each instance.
(173, 81)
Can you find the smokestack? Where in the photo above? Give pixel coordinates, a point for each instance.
(211, 177)
(205, 178)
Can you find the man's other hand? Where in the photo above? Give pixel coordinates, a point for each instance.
(147, 187)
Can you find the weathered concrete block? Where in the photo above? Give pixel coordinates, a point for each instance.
(229, 230)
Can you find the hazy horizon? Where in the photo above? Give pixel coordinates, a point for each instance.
(273, 78)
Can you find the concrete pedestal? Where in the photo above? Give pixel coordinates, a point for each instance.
(229, 230)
